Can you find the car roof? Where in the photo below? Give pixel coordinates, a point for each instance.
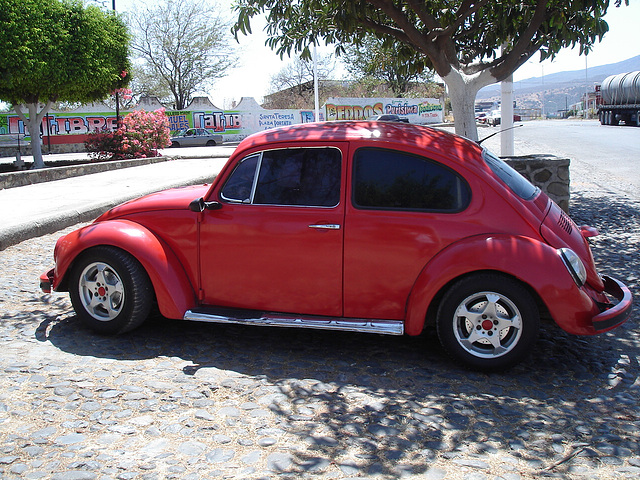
(392, 134)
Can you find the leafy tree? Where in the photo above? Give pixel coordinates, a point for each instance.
(183, 44)
(372, 60)
(55, 50)
(459, 39)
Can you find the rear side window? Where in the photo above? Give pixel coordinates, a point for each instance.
(516, 182)
(295, 176)
(390, 179)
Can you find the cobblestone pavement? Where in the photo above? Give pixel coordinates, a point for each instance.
(190, 401)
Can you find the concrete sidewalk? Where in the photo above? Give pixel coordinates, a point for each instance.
(33, 210)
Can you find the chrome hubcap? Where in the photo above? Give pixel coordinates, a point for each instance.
(101, 291)
(487, 324)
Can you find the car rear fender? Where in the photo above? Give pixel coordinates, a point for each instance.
(534, 263)
(174, 292)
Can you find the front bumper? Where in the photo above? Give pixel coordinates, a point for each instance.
(46, 281)
(613, 315)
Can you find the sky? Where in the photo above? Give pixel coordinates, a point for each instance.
(258, 63)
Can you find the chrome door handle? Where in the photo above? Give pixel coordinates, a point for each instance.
(326, 226)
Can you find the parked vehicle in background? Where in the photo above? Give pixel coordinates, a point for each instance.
(481, 117)
(373, 227)
(196, 137)
(494, 118)
(620, 97)
(388, 118)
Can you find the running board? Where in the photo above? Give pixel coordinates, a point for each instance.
(384, 327)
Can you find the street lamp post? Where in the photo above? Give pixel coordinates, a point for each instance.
(113, 5)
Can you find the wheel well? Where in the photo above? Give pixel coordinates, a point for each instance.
(432, 311)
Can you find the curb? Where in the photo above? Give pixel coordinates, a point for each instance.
(86, 213)
(31, 177)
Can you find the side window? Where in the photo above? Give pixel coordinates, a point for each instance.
(389, 179)
(304, 176)
(240, 184)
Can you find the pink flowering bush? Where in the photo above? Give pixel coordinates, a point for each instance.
(140, 135)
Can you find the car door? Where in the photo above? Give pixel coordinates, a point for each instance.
(404, 208)
(276, 243)
(189, 139)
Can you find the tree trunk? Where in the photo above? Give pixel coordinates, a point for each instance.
(33, 125)
(462, 91)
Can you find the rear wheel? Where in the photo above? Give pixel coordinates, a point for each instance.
(488, 322)
(110, 291)
(211, 143)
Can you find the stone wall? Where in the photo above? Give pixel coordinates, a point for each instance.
(30, 177)
(25, 149)
(548, 172)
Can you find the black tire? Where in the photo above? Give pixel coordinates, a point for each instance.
(175, 144)
(110, 291)
(488, 322)
(211, 143)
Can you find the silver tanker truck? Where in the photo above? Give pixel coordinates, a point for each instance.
(620, 99)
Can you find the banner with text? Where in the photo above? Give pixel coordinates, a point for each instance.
(416, 110)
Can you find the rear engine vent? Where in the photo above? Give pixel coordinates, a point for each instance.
(565, 223)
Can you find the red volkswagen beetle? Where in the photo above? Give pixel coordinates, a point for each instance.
(363, 226)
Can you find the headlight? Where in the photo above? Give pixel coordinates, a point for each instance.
(574, 265)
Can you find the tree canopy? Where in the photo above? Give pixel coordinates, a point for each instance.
(183, 45)
(373, 60)
(55, 50)
(469, 43)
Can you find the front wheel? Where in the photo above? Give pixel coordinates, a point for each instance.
(488, 322)
(110, 291)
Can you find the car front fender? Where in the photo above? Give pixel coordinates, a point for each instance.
(174, 292)
(532, 262)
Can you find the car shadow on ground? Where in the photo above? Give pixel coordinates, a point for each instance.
(395, 398)
(412, 400)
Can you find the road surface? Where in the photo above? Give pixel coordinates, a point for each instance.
(606, 152)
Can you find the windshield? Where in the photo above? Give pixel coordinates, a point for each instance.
(516, 182)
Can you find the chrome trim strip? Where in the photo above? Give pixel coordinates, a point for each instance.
(325, 226)
(384, 327)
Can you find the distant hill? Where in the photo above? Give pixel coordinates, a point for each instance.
(559, 89)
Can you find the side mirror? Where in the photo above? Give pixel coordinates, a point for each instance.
(199, 205)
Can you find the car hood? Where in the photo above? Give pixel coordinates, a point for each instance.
(172, 199)
(559, 230)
